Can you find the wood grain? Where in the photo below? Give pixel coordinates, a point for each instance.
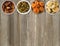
(30, 29)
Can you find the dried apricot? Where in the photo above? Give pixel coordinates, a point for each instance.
(36, 10)
(41, 9)
(41, 4)
(33, 5)
(36, 2)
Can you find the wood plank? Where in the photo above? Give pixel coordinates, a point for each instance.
(0, 24)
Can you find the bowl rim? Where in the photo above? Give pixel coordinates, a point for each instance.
(52, 13)
(12, 11)
(24, 12)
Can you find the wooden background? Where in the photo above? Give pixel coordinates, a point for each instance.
(29, 30)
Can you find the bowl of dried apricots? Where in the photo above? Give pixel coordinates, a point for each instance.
(38, 6)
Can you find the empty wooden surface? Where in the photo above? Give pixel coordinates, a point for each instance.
(29, 30)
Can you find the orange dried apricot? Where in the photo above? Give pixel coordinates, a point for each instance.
(36, 2)
(36, 10)
(41, 4)
(33, 5)
(41, 9)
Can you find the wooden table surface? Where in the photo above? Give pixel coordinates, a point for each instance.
(29, 30)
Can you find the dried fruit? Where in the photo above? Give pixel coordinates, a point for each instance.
(41, 9)
(33, 5)
(36, 10)
(8, 7)
(37, 2)
(38, 7)
(52, 6)
(41, 4)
